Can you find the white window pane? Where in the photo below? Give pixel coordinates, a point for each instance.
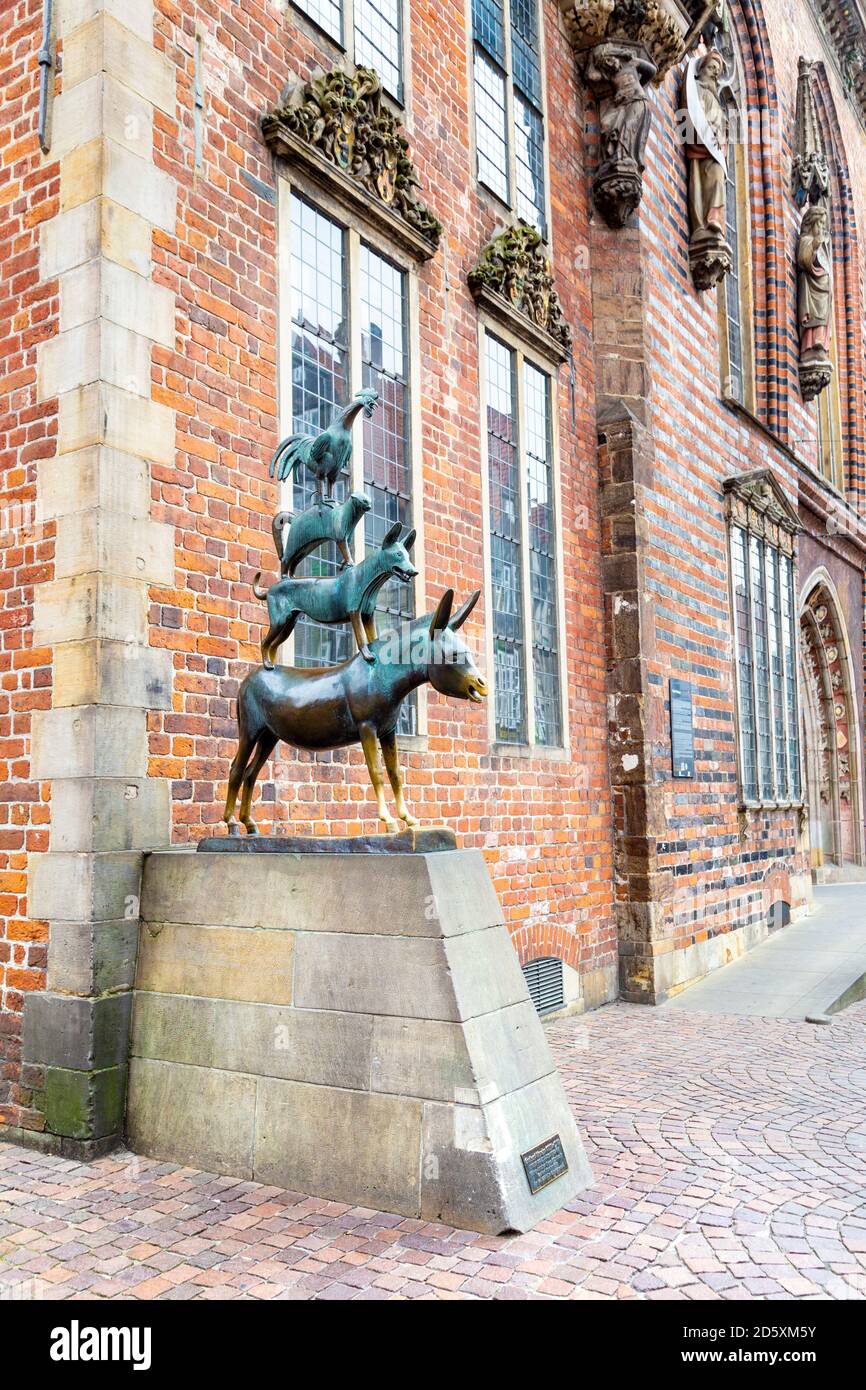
(328, 14)
(529, 155)
(542, 555)
(490, 127)
(377, 40)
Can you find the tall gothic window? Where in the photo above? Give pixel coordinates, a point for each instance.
(764, 608)
(369, 30)
(735, 292)
(328, 364)
(524, 572)
(509, 111)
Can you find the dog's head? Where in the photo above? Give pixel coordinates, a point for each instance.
(396, 553)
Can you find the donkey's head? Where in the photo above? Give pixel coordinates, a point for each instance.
(451, 667)
(395, 554)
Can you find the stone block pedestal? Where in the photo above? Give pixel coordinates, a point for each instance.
(351, 1026)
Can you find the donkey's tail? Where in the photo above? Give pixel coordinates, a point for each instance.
(257, 589)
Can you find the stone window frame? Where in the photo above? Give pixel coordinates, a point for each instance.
(346, 44)
(756, 504)
(295, 180)
(496, 327)
(507, 70)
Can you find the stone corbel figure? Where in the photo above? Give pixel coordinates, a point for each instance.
(706, 151)
(814, 300)
(617, 75)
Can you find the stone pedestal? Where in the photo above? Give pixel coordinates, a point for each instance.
(351, 1026)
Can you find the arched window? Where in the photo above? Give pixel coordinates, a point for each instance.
(736, 350)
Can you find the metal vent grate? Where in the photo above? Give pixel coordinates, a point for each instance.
(544, 981)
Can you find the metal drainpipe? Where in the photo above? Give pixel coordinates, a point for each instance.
(46, 65)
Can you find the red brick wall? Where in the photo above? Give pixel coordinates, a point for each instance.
(29, 187)
(543, 825)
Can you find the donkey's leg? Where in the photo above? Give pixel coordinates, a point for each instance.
(368, 742)
(236, 773)
(264, 749)
(395, 776)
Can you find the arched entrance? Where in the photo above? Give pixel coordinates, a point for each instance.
(831, 750)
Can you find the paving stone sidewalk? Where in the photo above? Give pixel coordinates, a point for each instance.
(729, 1156)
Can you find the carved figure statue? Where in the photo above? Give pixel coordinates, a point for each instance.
(354, 702)
(317, 526)
(706, 151)
(617, 75)
(814, 300)
(349, 596)
(328, 453)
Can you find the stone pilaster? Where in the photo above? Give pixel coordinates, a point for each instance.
(91, 745)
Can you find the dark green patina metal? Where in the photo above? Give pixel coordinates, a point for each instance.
(356, 701)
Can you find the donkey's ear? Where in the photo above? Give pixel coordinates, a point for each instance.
(439, 621)
(392, 535)
(409, 540)
(464, 610)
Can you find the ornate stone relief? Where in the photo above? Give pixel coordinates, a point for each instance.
(810, 178)
(622, 46)
(513, 276)
(755, 501)
(340, 119)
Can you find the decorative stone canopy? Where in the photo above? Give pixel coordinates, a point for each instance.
(757, 502)
(622, 46)
(810, 176)
(339, 127)
(844, 23)
(513, 281)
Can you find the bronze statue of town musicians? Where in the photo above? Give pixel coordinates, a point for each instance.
(359, 700)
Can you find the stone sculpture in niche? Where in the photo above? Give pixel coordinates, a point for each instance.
(622, 46)
(814, 300)
(706, 151)
(617, 76)
(811, 187)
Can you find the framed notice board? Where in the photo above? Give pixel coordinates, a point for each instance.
(682, 729)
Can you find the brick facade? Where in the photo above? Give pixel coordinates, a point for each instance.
(595, 851)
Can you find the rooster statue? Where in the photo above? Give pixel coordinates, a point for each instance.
(328, 453)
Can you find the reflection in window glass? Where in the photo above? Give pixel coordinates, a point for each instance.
(377, 40)
(529, 155)
(542, 556)
(490, 127)
(387, 465)
(328, 14)
(320, 382)
(504, 485)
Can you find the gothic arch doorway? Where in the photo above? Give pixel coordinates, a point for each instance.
(831, 751)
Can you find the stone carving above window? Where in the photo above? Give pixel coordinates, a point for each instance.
(756, 501)
(622, 46)
(340, 119)
(513, 280)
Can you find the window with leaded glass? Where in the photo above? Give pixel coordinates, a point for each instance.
(373, 34)
(509, 110)
(330, 361)
(762, 578)
(524, 603)
(735, 291)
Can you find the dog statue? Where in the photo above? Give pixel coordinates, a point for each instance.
(349, 596)
(316, 527)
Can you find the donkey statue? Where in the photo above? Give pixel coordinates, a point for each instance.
(355, 702)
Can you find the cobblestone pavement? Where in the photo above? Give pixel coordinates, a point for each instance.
(729, 1157)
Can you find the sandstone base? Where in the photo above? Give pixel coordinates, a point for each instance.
(352, 1027)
